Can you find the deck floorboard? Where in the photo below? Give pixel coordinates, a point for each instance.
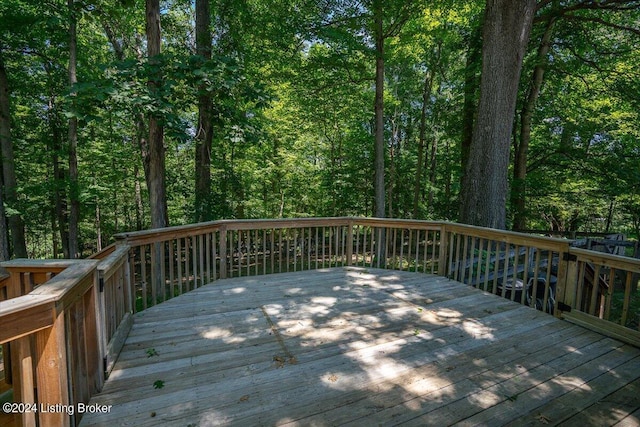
(354, 346)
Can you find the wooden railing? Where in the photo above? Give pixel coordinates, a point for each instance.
(60, 335)
(171, 261)
(84, 308)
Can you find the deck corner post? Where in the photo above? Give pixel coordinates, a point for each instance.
(443, 251)
(563, 286)
(567, 283)
(52, 376)
(223, 251)
(23, 381)
(349, 248)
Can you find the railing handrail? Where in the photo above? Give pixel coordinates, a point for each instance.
(55, 295)
(513, 237)
(611, 260)
(160, 234)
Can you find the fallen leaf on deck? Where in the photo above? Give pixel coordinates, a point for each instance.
(543, 419)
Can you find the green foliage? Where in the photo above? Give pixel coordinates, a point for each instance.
(292, 91)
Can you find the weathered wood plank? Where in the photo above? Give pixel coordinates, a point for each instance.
(347, 345)
(596, 410)
(633, 420)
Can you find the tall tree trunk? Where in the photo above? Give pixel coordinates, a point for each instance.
(16, 224)
(426, 95)
(432, 171)
(59, 179)
(471, 83)
(74, 199)
(138, 198)
(518, 187)
(379, 112)
(506, 30)
(98, 227)
(378, 185)
(155, 156)
(204, 137)
(5, 254)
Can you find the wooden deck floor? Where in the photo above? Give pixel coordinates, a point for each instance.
(363, 347)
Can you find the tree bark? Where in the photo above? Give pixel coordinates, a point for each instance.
(518, 187)
(16, 224)
(506, 30)
(471, 82)
(74, 199)
(204, 137)
(379, 189)
(417, 186)
(156, 182)
(5, 254)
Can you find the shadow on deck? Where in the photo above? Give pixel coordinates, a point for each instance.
(363, 346)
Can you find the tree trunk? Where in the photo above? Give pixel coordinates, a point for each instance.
(98, 227)
(432, 172)
(518, 188)
(379, 113)
(506, 30)
(5, 254)
(138, 197)
(204, 137)
(417, 186)
(156, 182)
(16, 224)
(472, 66)
(74, 199)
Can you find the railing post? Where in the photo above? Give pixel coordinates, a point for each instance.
(567, 294)
(443, 251)
(565, 284)
(223, 251)
(23, 382)
(51, 373)
(349, 252)
(95, 336)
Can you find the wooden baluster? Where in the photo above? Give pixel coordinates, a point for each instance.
(561, 280)
(606, 310)
(595, 287)
(172, 278)
(357, 243)
(179, 265)
(514, 276)
(143, 274)
(481, 252)
(627, 299)
(162, 259)
(187, 263)
(214, 256)
(154, 273)
(496, 266)
(223, 252)
(264, 251)
(444, 250)
(194, 261)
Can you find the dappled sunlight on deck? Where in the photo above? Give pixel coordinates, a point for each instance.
(353, 346)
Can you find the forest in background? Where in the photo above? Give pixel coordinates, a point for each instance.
(266, 109)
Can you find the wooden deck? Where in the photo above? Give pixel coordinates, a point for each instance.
(363, 347)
